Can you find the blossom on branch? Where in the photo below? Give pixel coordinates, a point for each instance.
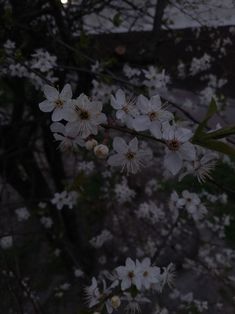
(128, 156)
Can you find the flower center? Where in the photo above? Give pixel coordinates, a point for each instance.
(84, 115)
(153, 115)
(131, 274)
(125, 109)
(130, 155)
(173, 145)
(145, 274)
(59, 103)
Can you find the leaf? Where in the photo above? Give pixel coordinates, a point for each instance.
(223, 132)
(217, 146)
(210, 112)
(117, 21)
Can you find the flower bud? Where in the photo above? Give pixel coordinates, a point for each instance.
(90, 144)
(101, 151)
(115, 301)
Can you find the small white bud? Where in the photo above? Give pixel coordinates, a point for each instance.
(115, 301)
(90, 144)
(101, 151)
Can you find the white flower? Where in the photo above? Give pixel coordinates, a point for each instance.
(94, 296)
(6, 242)
(65, 198)
(78, 273)
(155, 79)
(178, 148)
(92, 293)
(9, 45)
(168, 276)
(125, 108)
(152, 115)
(47, 222)
(98, 241)
(101, 151)
(86, 166)
(129, 275)
(87, 116)
(149, 274)
(192, 204)
(130, 72)
(69, 138)
(150, 211)
(43, 61)
(59, 199)
(65, 286)
(71, 199)
(128, 156)
(201, 167)
(189, 200)
(134, 302)
(58, 102)
(123, 193)
(22, 214)
(42, 205)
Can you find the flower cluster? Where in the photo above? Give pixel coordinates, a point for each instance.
(190, 202)
(128, 283)
(65, 198)
(82, 118)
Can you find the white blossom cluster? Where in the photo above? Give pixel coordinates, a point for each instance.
(84, 118)
(123, 193)
(151, 212)
(65, 198)
(98, 241)
(39, 67)
(189, 202)
(128, 283)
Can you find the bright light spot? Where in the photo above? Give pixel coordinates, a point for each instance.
(64, 1)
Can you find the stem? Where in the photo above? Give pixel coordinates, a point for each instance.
(132, 132)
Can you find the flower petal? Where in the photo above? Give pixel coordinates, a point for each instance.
(58, 114)
(133, 145)
(143, 104)
(120, 96)
(46, 106)
(69, 113)
(141, 123)
(51, 93)
(155, 129)
(156, 102)
(173, 162)
(187, 151)
(116, 160)
(57, 127)
(183, 134)
(120, 145)
(114, 103)
(66, 92)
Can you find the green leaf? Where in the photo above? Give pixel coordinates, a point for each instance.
(117, 20)
(223, 132)
(210, 112)
(217, 146)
